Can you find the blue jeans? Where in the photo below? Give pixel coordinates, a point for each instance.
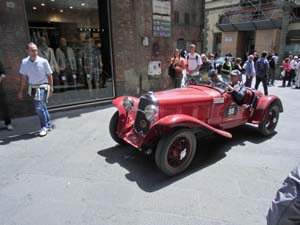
(41, 108)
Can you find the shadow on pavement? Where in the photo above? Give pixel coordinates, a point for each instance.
(27, 127)
(142, 169)
(6, 141)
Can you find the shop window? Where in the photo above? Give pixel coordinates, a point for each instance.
(69, 35)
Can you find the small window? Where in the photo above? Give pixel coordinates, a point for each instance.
(176, 17)
(186, 18)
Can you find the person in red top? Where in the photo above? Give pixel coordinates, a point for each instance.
(287, 68)
(178, 65)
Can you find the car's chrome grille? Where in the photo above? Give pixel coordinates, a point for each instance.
(141, 124)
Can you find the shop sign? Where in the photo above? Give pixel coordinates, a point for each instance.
(161, 7)
(228, 39)
(161, 18)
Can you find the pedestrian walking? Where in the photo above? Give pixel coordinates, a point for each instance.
(286, 69)
(293, 64)
(178, 64)
(271, 76)
(297, 78)
(3, 102)
(262, 70)
(193, 63)
(249, 70)
(37, 71)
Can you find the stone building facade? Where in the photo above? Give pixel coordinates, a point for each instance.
(241, 26)
(116, 36)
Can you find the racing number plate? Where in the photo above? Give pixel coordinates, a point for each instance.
(231, 110)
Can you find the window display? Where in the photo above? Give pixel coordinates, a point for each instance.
(68, 36)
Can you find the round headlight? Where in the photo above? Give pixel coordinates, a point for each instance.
(128, 103)
(150, 112)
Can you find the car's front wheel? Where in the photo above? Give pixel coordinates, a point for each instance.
(269, 123)
(175, 152)
(113, 126)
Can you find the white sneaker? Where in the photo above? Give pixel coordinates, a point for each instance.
(9, 127)
(43, 132)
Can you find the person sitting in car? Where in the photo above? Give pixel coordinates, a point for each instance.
(215, 81)
(236, 88)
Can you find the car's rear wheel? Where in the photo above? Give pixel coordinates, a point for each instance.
(269, 123)
(113, 126)
(175, 152)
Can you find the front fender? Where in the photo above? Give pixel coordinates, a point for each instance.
(262, 107)
(188, 121)
(118, 103)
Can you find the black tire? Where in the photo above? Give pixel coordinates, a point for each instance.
(175, 152)
(269, 123)
(113, 125)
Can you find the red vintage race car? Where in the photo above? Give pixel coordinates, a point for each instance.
(166, 123)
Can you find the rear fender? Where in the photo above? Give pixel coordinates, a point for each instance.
(181, 120)
(262, 106)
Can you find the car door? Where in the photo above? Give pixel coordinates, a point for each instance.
(233, 115)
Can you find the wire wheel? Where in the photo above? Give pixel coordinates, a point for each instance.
(175, 152)
(267, 127)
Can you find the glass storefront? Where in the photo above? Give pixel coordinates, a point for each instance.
(70, 35)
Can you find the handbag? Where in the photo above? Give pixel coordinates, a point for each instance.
(282, 74)
(171, 71)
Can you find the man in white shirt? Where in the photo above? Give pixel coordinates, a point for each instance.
(297, 78)
(293, 64)
(39, 75)
(193, 63)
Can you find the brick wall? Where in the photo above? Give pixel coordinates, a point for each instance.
(14, 36)
(131, 21)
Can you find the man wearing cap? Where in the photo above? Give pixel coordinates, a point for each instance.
(236, 88)
(215, 81)
(193, 63)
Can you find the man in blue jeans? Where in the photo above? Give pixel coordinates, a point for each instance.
(39, 75)
(262, 70)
